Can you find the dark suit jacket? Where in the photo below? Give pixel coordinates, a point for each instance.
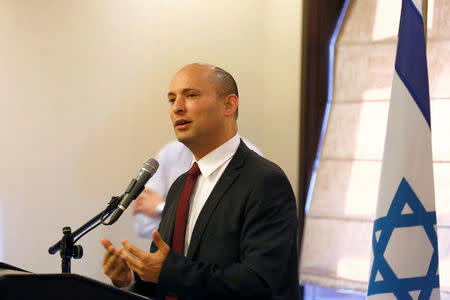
(244, 243)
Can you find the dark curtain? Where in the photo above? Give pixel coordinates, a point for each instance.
(319, 21)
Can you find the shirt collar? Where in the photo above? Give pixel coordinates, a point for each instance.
(214, 159)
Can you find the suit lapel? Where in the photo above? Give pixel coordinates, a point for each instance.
(228, 177)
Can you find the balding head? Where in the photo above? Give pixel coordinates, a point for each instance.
(224, 81)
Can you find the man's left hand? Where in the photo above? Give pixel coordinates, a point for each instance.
(147, 265)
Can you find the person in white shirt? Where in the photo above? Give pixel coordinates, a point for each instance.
(174, 159)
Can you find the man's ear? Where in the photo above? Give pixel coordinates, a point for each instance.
(231, 103)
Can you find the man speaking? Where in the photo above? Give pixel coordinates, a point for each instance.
(229, 226)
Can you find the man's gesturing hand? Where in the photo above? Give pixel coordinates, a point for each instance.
(147, 265)
(114, 266)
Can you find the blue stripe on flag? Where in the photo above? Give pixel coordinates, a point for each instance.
(410, 62)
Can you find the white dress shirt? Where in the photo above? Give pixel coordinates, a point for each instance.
(211, 167)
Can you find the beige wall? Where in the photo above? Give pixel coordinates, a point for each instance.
(83, 105)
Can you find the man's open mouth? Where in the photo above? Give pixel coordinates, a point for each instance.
(181, 122)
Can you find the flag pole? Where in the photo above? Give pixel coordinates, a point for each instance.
(425, 17)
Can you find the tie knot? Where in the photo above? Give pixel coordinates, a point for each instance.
(194, 170)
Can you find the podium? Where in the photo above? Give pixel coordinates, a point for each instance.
(20, 284)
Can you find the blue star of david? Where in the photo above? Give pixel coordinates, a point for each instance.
(395, 219)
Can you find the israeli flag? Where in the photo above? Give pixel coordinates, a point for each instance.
(404, 241)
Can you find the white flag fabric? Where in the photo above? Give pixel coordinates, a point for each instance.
(404, 240)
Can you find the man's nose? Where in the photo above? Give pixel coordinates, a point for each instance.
(179, 105)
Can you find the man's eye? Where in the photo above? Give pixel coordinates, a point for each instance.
(191, 95)
(171, 100)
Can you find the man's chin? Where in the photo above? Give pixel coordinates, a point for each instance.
(183, 138)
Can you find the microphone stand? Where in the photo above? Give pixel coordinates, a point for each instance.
(67, 246)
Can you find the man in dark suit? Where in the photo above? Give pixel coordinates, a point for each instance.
(229, 227)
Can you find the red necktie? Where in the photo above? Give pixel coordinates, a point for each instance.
(179, 232)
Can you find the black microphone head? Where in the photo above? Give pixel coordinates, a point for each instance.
(148, 169)
(135, 188)
(151, 166)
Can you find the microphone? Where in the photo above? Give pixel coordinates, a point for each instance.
(135, 188)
